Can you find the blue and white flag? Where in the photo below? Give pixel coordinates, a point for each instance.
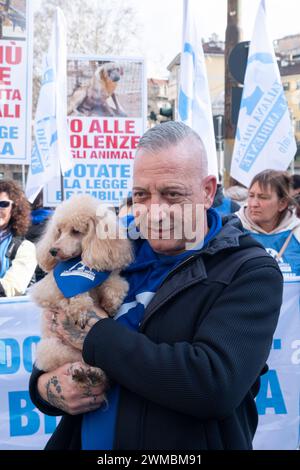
(51, 149)
(264, 137)
(194, 105)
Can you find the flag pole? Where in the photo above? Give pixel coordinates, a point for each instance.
(58, 65)
(233, 36)
(23, 177)
(62, 186)
(194, 104)
(62, 196)
(51, 156)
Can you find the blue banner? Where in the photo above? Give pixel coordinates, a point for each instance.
(278, 400)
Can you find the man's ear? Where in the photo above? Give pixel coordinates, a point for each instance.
(209, 187)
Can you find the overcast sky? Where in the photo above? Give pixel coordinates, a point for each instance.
(161, 25)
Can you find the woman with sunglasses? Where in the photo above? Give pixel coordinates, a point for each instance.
(269, 217)
(17, 255)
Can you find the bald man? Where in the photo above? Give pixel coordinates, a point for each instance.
(185, 352)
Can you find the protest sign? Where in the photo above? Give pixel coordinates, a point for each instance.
(22, 426)
(106, 114)
(279, 396)
(15, 81)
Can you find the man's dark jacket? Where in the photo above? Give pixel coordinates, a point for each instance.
(190, 374)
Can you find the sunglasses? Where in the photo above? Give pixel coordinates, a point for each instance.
(5, 204)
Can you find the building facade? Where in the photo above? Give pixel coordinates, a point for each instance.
(159, 105)
(214, 60)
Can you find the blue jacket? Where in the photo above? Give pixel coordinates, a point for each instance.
(189, 376)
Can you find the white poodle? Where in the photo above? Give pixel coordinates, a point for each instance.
(80, 227)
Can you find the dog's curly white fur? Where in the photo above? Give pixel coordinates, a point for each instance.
(75, 229)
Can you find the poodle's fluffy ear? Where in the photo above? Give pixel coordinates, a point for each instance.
(45, 260)
(102, 247)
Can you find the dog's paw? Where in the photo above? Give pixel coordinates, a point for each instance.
(88, 375)
(113, 292)
(78, 373)
(82, 320)
(96, 376)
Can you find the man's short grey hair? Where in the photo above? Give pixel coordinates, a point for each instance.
(170, 134)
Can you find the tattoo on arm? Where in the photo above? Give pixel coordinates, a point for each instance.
(54, 393)
(92, 316)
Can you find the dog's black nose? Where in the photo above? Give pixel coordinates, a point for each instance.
(53, 252)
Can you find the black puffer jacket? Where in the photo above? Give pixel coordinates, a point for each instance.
(189, 376)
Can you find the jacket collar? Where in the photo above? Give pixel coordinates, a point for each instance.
(228, 237)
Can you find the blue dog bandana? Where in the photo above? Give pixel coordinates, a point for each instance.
(73, 277)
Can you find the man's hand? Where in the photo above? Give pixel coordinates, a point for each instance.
(71, 333)
(60, 390)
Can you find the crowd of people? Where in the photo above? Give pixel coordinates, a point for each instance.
(185, 357)
(269, 210)
(17, 254)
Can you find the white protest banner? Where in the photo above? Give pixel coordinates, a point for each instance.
(264, 136)
(15, 81)
(194, 105)
(22, 426)
(279, 396)
(52, 145)
(107, 116)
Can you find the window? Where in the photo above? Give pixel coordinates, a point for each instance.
(297, 126)
(298, 85)
(286, 86)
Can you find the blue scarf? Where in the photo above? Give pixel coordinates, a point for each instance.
(73, 277)
(145, 276)
(5, 239)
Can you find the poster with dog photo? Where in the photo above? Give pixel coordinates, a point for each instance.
(13, 19)
(106, 116)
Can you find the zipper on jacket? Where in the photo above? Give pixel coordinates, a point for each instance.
(144, 321)
(174, 270)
